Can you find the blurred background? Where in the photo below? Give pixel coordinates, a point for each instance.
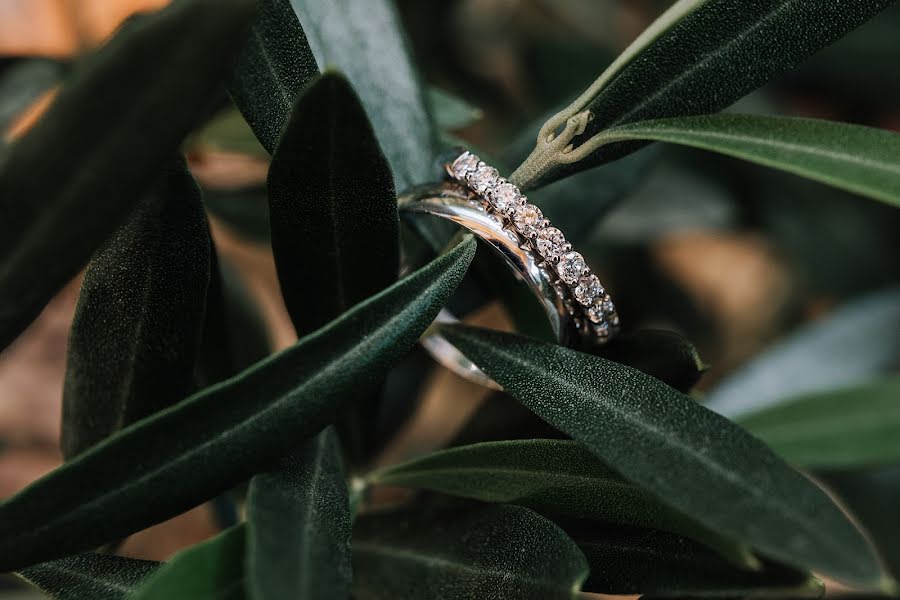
(763, 271)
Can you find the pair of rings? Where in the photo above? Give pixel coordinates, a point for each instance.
(475, 196)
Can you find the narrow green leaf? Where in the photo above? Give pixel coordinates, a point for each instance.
(138, 322)
(211, 570)
(553, 477)
(363, 38)
(298, 526)
(68, 183)
(498, 552)
(332, 207)
(94, 576)
(859, 159)
(223, 434)
(451, 112)
(847, 347)
(851, 427)
(275, 64)
(698, 57)
(689, 457)
(665, 565)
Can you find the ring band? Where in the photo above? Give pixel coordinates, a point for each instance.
(580, 311)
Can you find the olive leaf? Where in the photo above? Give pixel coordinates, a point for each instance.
(551, 477)
(850, 427)
(630, 560)
(140, 314)
(697, 57)
(75, 176)
(688, 456)
(95, 576)
(211, 570)
(298, 526)
(226, 433)
(363, 39)
(499, 552)
(274, 66)
(859, 159)
(332, 207)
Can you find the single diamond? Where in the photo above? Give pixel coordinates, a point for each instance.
(483, 178)
(528, 219)
(571, 267)
(505, 198)
(606, 305)
(550, 243)
(463, 165)
(595, 312)
(588, 289)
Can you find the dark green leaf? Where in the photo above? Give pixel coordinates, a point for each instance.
(698, 57)
(138, 322)
(333, 210)
(689, 457)
(859, 159)
(642, 561)
(847, 347)
(334, 221)
(451, 112)
(851, 427)
(497, 552)
(77, 174)
(554, 477)
(363, 38)
(211, 570)
(275, 65)
(94, 576)
(169, 462)
(298, 526)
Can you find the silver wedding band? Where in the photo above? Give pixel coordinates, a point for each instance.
(580, 311)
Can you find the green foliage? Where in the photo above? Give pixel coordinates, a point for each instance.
(698, 57)
(664, 438)
(63, 188)
(362, 38)
(552, 477)
(137, 327)
(170, 399)
(298, 526)
(663, 565)
(212, 570)
(97, 576)
(853, 427)
(334, 225)
(498, 552)
(859, 159)
(225, 433)
(274, 66)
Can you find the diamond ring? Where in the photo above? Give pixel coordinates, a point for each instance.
(580, 311)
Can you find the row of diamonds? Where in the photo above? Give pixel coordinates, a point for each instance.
(550, 243)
